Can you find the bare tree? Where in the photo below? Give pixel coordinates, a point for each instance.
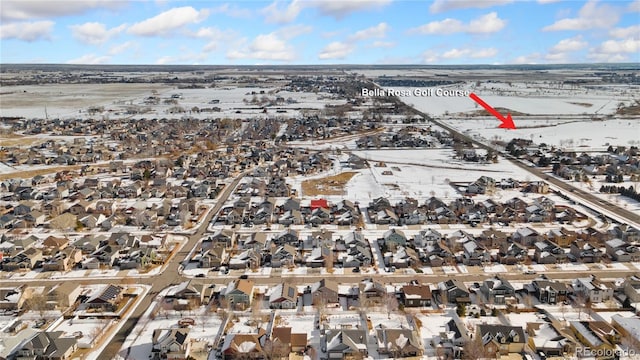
(275, 349)
(38, 303)
(474, 349)
(390, 303)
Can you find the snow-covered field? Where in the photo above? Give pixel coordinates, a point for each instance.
(73, 100)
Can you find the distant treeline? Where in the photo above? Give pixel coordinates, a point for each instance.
(415, 82)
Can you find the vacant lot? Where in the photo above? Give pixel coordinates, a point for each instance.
(331, 185)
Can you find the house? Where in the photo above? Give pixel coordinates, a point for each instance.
(47, 345)
(563, 237)
(454, 291)
(415, 295)
(526, 236)
(170, 343)
(345, 343)
(627, 326)
(184, 291)
(371, 290)
(64, 294)
(284, 341)
(243, 346)
(501, 339)
(546, 252)
(283, 296)
(63, 260)
(324, 292)
(632, 288)
(622, 251)
(12, 298)
(593, 289)
(496, 290)
(550, 292)
(474, 253)
(545, 339)
(25, 259)
(106, 299)
(595, 335)
(213, 257)
(399, 343)
(585, 252)
(239, 293)
(393, 238)
(511, 253)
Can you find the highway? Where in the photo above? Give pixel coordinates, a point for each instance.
(171, 274)
(624, 215)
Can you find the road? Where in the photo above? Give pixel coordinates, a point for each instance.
(169, 276)
(625, 215)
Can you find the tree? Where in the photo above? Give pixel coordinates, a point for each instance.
(275, 349)
(474, 349)
(390, 303)
(461, 309)
(38, 303)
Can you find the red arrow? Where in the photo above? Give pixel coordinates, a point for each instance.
(506, 123)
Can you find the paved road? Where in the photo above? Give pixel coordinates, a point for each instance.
(170, 275)
(630, 217)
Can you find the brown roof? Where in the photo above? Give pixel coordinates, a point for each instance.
(245, 285)
(424, 291)
(283, 334)
(298, 340)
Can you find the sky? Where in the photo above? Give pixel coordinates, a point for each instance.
(438, 32)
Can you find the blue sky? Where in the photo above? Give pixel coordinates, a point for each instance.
(319, 32)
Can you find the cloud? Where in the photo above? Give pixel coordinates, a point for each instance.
(619, 46)
(606, 58)
(568, 45)
(470, 53)
(37, 9)
(383, 44)
(336, 50)
(634, 6)
(27, 31)
(378, 31)
(232, 11)
(94, 33)
(186, 57)
(165, 23)
(214, 36)
(485, 24)
(590, 16)
(89, 59)
(292, 31)
(265, 47)
(548, 1)
(484, 53)
(340, 9)
(631, 31)
(446, 26)
(533, 58)
(439, 6)
(120, 48)
(431, 56)
(276, 14)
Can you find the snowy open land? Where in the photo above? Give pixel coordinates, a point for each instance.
(74, 100)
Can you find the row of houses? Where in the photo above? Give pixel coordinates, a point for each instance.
(467, 211)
